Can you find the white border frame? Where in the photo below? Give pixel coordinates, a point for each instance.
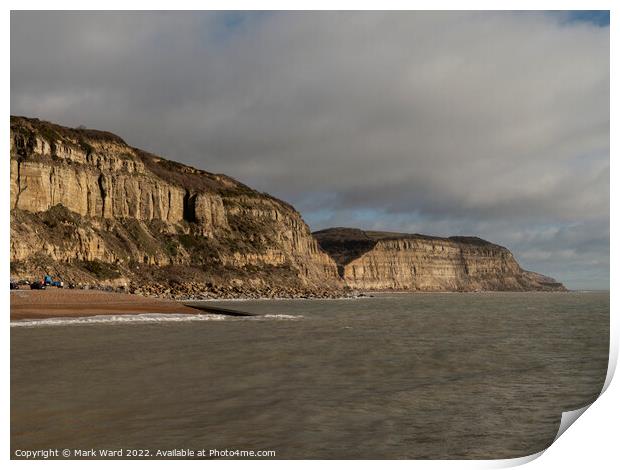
(592, 442)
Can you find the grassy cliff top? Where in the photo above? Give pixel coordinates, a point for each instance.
(358, 235)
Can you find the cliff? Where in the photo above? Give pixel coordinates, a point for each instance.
(393, 261)
(89, 208)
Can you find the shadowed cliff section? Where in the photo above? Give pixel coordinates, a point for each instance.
(372, 260)
(88, 208)
(344, 244)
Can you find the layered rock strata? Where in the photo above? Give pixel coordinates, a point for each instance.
(391, 261)
(88, 208)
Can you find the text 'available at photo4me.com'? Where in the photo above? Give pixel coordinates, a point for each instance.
(140, 453)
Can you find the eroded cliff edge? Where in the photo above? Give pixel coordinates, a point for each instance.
(395, 261)
(89, 208)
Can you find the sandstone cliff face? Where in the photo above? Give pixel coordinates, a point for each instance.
(388, 261)
(88, 207)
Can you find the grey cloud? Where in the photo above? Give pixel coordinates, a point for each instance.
(460, 120)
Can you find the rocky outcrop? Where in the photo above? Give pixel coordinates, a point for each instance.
(89, 208)
(390, 261)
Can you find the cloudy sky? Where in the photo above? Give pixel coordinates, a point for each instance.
(493, 124)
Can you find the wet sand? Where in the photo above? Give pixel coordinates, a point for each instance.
(53, 303)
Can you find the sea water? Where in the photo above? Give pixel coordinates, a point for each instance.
(482, 375)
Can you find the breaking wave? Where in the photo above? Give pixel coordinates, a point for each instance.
(281, 316)
(135, 318)
(143, 318)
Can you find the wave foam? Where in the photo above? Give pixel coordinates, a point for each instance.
(282, 316)
(137, 318)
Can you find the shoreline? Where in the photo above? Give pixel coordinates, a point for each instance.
(71, 303)
(63, 303)
(385, 293)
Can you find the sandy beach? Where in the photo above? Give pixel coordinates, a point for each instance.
(53, 303)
